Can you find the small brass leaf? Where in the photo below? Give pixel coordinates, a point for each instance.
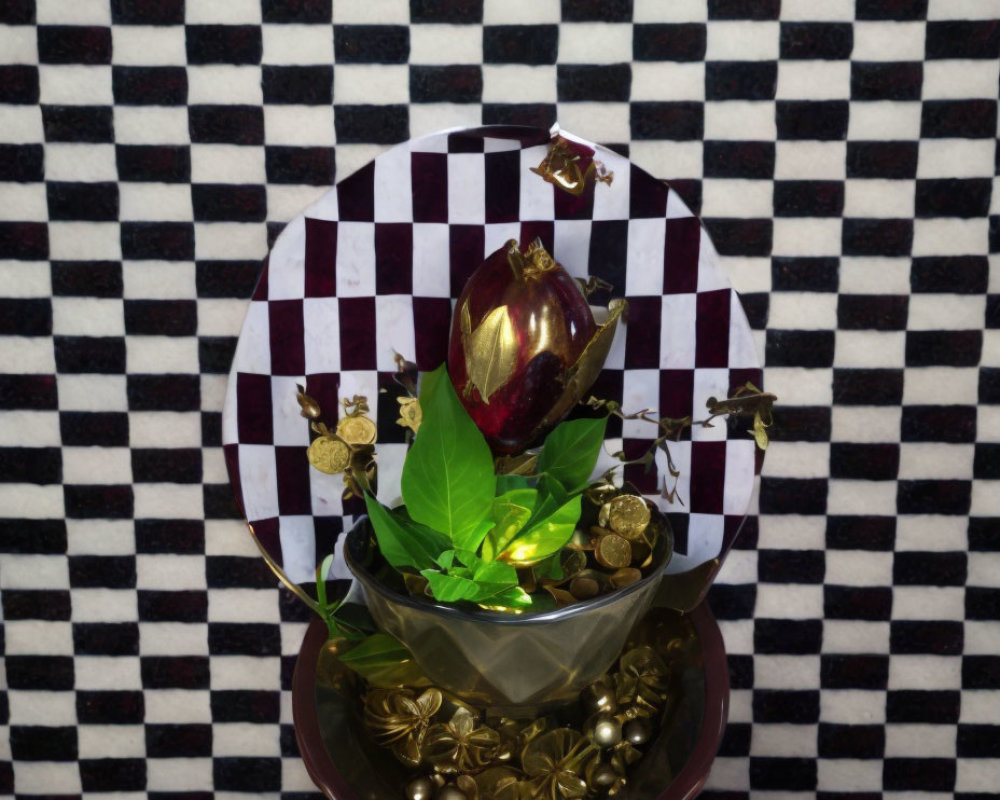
(491, 352)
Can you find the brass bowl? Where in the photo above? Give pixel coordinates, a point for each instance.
(346, 764)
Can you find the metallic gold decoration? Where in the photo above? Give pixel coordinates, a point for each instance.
(603, 729)
(502, 783)
(308, 407)
(637, 731)
(625, 576)
(613, 551)
(421, 788)
(491, 351)
(410, 413)
(328, 454)
(400, 721)
(554, 763)
(357, 430)
(600, 697)
(628, 516)
(460, 745)
(562, 167)
(642, 680)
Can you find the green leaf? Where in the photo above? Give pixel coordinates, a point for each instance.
(571, 450)
(545, 537)
(376, 652)
(506, 483)
(401, 544)
(453, 588)
(495, 572)
(447, 481)
(550, 568)
(509, 513)
(551, 497)
(515, 597)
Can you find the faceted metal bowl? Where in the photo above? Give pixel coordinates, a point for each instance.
(346, 764)
(502, 660)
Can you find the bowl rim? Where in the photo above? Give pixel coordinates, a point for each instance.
(482, 615)
(686, 785)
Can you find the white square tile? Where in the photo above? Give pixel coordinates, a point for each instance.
(888, 41)
(75, 85)
(148, 45)
(19, 45)
(297, 44)
(163, 775)
(980, 706)
(976, 775)
(47, 777)
(792, 741)
(230, 240)
(363, 83)
(158, 280)
(594, 42)
(807, 386)
(165, 706)
(107, 673)
(285, 202)
(803, 236)
(919, 741)
(603, 122)
(663, 159)
(930, 532)
(737, 198)
(99, 537)
(788, 601)
(929, 312)
(98, 741)
(814, 80)
(529, 84)
(857, 567)
(810, 160)
(56, 708)
(809, 11)
(928, 602)
(171, 638)
(232, 12)
(151, 125)
(852, 707)
(879, 198)
(861, 497)
(426, 118)
(164, 429)
(935, 460)
(24, 202)
(395, 12)
(853, 636)
(924, 672)
(35, 637)
(884, 120)
(850, 774)
(874, 275)
(242, 739)
(802, 311)
(740, 120)
(860, 349)
(224, 84)
(22, 125)
(97, 465)
(165, 501)
(300, 126)
(743, 41)
(25, 278)
(245, 672)
(80, 162)
(798, 460)
(962, 79)
(225, 163)
(462, 43)
(153, 202)
(786, 672)
(153, 354)
(950, 236)
(683, 80)
(791, 532)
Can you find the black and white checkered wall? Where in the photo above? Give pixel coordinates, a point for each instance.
(843, 155)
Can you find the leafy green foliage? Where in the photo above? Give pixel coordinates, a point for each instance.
(448, 480)
(465, 529)
(571, 450)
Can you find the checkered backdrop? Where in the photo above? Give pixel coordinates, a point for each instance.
(842, 154)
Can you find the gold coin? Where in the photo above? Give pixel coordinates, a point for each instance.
(357, 430)
(584, 588)
(628, 516)
(613, 551)
(329, 455)
(625, 576)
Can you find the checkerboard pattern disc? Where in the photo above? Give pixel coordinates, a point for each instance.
(842, 155)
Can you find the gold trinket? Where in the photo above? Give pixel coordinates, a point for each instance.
(400, 721)
(459, 745)
(329, 455)
(357, 430)
(554, 762)
(613, 551)
(628, 516)
(410, 414)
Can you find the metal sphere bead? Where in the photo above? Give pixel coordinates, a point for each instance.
(605, 730)
(603, 776)
(599, 698)
(449, 792)
(420, 789)
(637, 731)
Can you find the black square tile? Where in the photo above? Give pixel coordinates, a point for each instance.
(27, 316)
(42, 604)
(174, 672)
(163, 392)
(744, 9)
(877, 237)
(297, 11)
(608, 83)
(787, 637)
(596, 10)
(962, 39)
(854, 672)
(372, 124)
(870, 603)
(912, 705)
(891, 160)
(87, 279)
(223, 202)
(232, 774)
(102, 572)
(790, 566)
(147, 12)
(788, 706)
(520, 44)
(113, 774)
(940, 638)
(872, 312)
(223, 44)
(669, 41)
(43, 743)
(42, 536)
(90, 354)
(896, 10)
(741, 80)
(178, 741)
(785, 348)
(94, 428)
(965, 119)
(886, 80)
(914, 568)
(950, 274)
(40, 673)
(808, 198)
(454, 12)
(816, 40)
(170, 536)
(919, 774)
(74, 44)
(244, 638)
(850, 741)
(154, 163)
(166, 465)
(787, 774)
(88, 202)
(21, 162)
(106, 638)
(110, 707)
(311, 85)
(954, 197)
(453, 83)
(926, 423)
(18, 12)
(873, 462)
(823, 120)
(162, 241)
(951, 497)
(78, 124)
(801, 424)
(944, 348)
(214, 124)
(19, 84)
(38, 465)
(149, 86)
(371, 44)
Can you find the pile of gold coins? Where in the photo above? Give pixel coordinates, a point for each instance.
(583, 753)
(612, 548)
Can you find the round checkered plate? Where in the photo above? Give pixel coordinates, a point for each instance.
(372, 269)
